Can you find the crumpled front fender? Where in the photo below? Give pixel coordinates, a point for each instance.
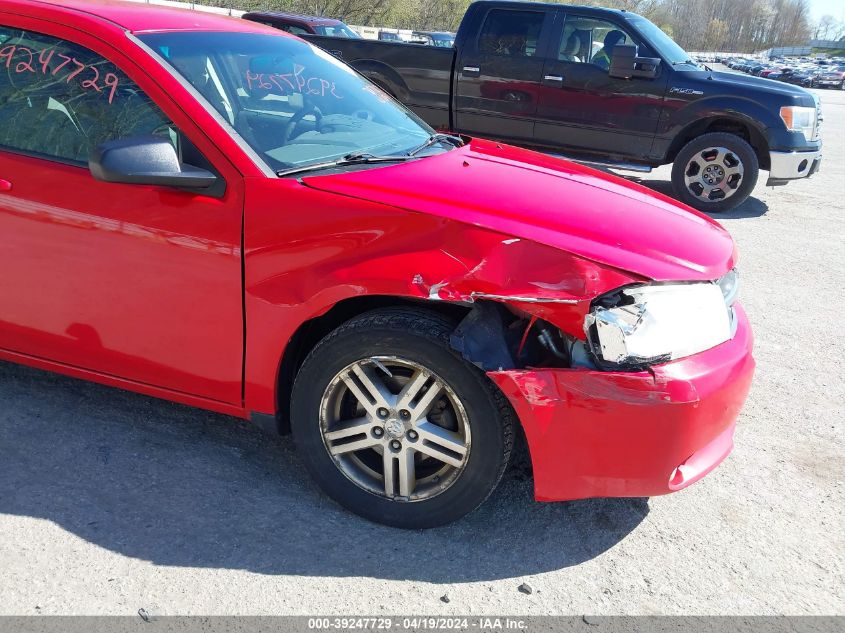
(318, 249)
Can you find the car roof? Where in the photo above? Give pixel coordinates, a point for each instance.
(442, 33)
(293, 17)
(518, 4)
(136, 17)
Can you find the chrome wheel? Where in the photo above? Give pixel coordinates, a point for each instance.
(714, 174)
(395, 428)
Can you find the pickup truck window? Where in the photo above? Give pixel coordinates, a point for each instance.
(663, 44)
(590, 41)
(511, 33)
(59, 100)
(295, 104)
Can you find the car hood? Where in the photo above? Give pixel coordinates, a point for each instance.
(717, 81)
(536, 197)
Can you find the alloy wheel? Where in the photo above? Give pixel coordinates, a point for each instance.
(395, 429)
(714, 174)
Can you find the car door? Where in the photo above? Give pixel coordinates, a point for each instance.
(499, 74)
(133, 281)
(581, 107)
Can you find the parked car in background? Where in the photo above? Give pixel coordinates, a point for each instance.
(774, 71)
(799, 77)
(302, 24)
(440, 39)
(800, 72)
(213, 212)
(603, 85)
(390, 36)
(831, 77)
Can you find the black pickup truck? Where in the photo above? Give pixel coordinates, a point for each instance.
(600, 85)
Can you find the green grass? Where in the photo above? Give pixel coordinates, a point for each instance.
(830, 52)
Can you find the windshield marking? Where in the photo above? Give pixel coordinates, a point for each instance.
(302, 86)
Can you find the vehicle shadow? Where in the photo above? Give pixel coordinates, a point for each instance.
(751, 208)
(177, 486)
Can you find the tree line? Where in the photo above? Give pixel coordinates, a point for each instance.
(698, 25)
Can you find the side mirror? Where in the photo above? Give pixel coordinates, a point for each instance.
(146, 160)
(624, 63)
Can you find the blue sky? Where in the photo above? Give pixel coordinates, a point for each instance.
(835, 8)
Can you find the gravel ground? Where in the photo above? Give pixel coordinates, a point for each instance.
(111, 502)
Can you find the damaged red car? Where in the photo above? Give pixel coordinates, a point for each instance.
(210, 211)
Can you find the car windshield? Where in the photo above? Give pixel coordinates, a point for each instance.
(293, 103)
(665, 45)
(338, 30)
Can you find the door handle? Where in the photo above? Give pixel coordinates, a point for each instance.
(553, 80)
(471, 71)
(5, 185)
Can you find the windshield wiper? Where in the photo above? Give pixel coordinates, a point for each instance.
(434, 140)
(361, 158)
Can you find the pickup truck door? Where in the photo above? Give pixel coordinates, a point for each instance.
(581, 107)
(499, 73)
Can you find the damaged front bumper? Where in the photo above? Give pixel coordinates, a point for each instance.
(631, 434)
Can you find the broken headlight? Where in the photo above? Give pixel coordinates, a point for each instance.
(639, 326)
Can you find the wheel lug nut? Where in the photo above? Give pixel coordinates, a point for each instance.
(383, 413)
(405, 414)
(412, 435)
(396, 445)
(378, 431)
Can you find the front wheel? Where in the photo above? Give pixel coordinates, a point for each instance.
(396, 426)
(715, 172)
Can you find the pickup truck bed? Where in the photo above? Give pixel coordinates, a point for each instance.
(418, 76)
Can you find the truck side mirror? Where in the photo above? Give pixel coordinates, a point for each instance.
(624, 63)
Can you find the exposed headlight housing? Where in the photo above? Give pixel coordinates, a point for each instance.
(639, 326)
(800, 119)
(729, 284)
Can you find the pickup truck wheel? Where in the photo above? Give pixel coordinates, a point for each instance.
(397, 427)
(715, 172)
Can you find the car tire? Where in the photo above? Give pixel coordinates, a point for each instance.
(376, 356)
(715, 172)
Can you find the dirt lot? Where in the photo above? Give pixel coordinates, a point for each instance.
(111, 502)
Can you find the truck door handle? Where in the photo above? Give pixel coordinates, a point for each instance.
(553, 80)
(471, 71)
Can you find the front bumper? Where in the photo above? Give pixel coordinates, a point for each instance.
(631, 434)
(786, 166)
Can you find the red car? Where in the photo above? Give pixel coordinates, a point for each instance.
(302, 24)
(211, 211)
